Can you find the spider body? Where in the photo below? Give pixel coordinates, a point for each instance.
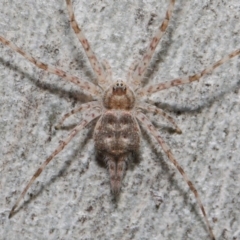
(117, 133)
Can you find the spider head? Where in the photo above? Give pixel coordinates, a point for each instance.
(119, 88)
(119, 96)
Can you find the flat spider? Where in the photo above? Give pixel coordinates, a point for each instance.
(119, 107)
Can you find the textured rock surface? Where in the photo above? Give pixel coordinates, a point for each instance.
(71, 199)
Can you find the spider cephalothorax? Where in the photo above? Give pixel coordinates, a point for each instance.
(119, 96)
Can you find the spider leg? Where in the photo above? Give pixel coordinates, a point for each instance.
(73, 111)
(143, 64)
(87, 87)
(148, 90)
(131, 70)
(148, 126)
(108, 71)
(96, 66)
(92, 115)
(155, 110)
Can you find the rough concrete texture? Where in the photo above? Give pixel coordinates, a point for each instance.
(72, 199)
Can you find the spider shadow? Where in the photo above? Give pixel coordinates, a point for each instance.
(165, 170)
(75, 95)
(212, 98)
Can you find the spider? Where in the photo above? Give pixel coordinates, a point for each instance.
(119, 108)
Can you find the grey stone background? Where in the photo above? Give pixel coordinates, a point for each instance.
(72, 199)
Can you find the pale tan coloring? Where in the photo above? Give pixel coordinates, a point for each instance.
(118, 106)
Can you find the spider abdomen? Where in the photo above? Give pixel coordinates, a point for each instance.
(116, 136)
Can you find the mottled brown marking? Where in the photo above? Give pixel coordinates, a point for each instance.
(164, 25)
(76, 28)
(217, 64)
(43, 66)
(168, 153)
(193, 78)
(235, 53)
(205, 71)
(176, 82)
(37, 173)
(94, 58)
(21, 51)
(153, 44)
(115, 133)
(86, 44)
(203, 210)
(180, 170)
(60, 72)
(193, 188)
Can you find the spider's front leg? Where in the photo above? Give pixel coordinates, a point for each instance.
(96, 65)
(87, 87)
(139, 69)
(148, 90)
(92, 115)
(149, 127)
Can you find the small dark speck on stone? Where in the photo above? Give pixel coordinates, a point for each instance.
(89, 209)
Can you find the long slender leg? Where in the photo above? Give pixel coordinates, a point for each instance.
(97, 68)
(148, 90)
(92, 115)
(108, 71)
(149, 127)
(87, 87)
(155, 110)
(82, 107)
(133, 82)
(141, 68)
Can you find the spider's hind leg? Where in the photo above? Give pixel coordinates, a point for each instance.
(153, 109)
(92, 115)
(85, 106)
(146, 123)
